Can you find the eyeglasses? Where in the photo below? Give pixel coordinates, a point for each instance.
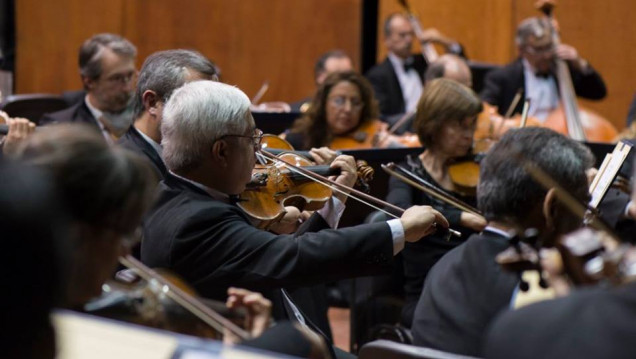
(341, 101)
(257, 138)
(122, 79)
(543, 50)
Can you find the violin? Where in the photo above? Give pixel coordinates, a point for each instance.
(274, 186)
(569, 119)
(383, 206)
(162, 300)
(491, 126)
(373, 134)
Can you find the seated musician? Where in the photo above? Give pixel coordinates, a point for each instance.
(209, 143)
(534, 73)
(398, 80)
(107, 69)
(328, 63)
(590, 322)
(445, 124)
(105, 191)
(160, 75)
(466, 289)
(344, 108)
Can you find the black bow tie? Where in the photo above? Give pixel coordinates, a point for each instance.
(542, 75)
(409, 64)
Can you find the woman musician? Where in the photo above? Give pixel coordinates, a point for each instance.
(445, 123)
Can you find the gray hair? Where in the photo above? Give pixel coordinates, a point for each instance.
(196, 116)
(506, 192)
(92, 50)
(165, 71)
(387, 23)
(533, 26)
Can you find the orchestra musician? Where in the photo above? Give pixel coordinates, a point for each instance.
(161, 73)
(466, 289)
(398, 80)
(533, 73)
(108, 73)
(590, 322)
(445, 123)
(328, 63)
(343, 108)
(209, 143)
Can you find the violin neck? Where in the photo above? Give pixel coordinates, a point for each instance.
(322, 170)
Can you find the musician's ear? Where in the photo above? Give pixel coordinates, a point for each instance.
(219, 152)
(152, 103)
(550, 209)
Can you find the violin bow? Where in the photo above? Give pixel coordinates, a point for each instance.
(187, 301)
(359, 196)
(423, 185)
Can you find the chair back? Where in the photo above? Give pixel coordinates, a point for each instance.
(32, 106)
(391, 350)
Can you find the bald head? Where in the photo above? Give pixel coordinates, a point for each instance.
(450, 67)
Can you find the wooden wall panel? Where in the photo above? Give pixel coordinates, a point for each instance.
(604, 32)
(251, 40)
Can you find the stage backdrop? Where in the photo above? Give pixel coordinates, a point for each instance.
(279, 40)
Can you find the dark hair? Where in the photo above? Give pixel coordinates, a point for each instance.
(90, 53)
(102, 186)
(507, 192)
(319, 67)
(443, 101)
(165, 71)
(313, 123)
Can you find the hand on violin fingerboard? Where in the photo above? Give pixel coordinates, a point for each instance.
(19, 129)
(258, 308)
(420, 221)
(348, 174)
(323, 155)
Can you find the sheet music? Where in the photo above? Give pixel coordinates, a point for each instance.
(607, 173)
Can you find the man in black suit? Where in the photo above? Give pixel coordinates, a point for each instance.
(589, 323)
(107, 69)
(466, 288)
(397, 81)
(209, 140)
(533, 73)
(160, 75)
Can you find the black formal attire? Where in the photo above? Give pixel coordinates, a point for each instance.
(133, 141)
(78, 113)
(419, 257)
(501, 85)
(462, 295)
(386, 85)
(213, 245)
(589, 323)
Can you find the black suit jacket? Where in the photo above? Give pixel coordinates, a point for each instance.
(78, 113)
(213, 246)
(386, 86)
(462, 294)
(133, 141)
(501, 85)
(589, 323)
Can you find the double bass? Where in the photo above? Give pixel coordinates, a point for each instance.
(569, 119)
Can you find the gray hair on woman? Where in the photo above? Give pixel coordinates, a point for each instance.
(198, 114)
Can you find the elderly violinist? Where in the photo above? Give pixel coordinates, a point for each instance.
(466, 289)
(534, 73)
(209, 142)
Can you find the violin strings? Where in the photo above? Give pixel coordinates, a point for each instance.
(331, 186)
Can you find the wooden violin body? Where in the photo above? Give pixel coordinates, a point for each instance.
(373, 134)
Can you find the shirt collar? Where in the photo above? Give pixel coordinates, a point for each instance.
(150, 141)
(398, 63)
(500, 232)
(97, 113)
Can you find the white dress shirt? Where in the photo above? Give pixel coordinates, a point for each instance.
(542, 92)
(410, 82)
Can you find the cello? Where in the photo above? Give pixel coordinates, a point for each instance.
(569, 119)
